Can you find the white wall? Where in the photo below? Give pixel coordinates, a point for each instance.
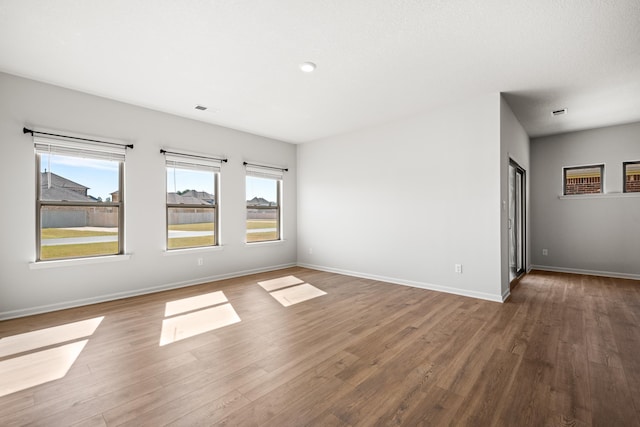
(405, 201)
(514, 144)
(598, 234)
(25, 291)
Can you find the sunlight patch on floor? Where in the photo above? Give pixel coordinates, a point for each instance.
(297, 294)
(290, 290)
(204, 313)
(38, 368)
(50, 336)
(21, 371)
(280, 282)
(194, 303)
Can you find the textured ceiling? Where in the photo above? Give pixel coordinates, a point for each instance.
(378, 60)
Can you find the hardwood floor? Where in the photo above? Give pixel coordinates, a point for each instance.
(563, 351)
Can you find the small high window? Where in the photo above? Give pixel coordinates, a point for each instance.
(631, 171)
(192, 201)
(583, 180)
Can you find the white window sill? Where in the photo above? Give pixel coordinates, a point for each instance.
(77, 261)
(186, 251)
(260, 244)
(599, 196)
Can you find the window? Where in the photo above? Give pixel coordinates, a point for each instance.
(631, 179)
(79, 202)
(192, 202)
(264, 192)
(583, 180)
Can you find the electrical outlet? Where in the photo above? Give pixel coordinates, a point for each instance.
(310, 251)
(200, 261)
(458, 268)
(545, 252)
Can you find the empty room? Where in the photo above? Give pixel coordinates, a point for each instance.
(320, 213)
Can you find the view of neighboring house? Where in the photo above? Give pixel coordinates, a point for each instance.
(633, 178)
(259, 201)
(190, 197)
(56, 187)
(200, 195)
(260, 208)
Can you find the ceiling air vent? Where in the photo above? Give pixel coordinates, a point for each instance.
(559, 112)
(201, 107)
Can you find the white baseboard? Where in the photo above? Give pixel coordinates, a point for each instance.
(587, 272)
(414, 284)
(120, 295)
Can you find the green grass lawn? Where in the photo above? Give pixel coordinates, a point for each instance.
(78, 250)
(199, 226)
(61, 233)
(190, 242)
(261, 223)
(110, 248)
(262, 237)
(205, 226)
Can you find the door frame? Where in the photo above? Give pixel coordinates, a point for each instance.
(519, 210)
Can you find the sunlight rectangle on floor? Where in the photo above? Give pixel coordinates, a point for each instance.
(280, 282)
(188, 325)
(297, 294)
(49, 336)
(194, 303)
(38, 368)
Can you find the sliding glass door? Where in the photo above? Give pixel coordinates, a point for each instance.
(517, 220)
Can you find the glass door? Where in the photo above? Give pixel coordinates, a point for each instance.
(517, 220)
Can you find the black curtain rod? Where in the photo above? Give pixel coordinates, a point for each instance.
(33, 132)
(266, 167)
(192, 155)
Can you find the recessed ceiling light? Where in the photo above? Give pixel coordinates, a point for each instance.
(559, 112)
(307, 67)
(201, 107)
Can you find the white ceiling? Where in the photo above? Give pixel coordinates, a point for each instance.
(378, 60)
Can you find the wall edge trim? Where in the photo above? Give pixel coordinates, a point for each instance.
(612, 274)
(6, 315)
(411, 283)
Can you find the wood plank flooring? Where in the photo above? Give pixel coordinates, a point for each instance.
(564, 350)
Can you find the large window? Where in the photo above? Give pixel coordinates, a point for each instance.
(79, 203)
(631, 177)
(264, 198)
(192, 202)
(583, 180)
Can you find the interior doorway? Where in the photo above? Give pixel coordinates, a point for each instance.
(517, 220)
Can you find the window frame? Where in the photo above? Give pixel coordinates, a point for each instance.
(277, 208)
(41, 203)
(568, 168)
(271, 172)
(203, 166)
(624, 175)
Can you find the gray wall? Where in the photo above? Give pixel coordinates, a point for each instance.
(25, 289)
(598, 234)
(515, 145)
(400, 202)
(407, 200)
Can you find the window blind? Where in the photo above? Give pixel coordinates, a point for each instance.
(78, 148)
(264, 171)
(192, 161)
